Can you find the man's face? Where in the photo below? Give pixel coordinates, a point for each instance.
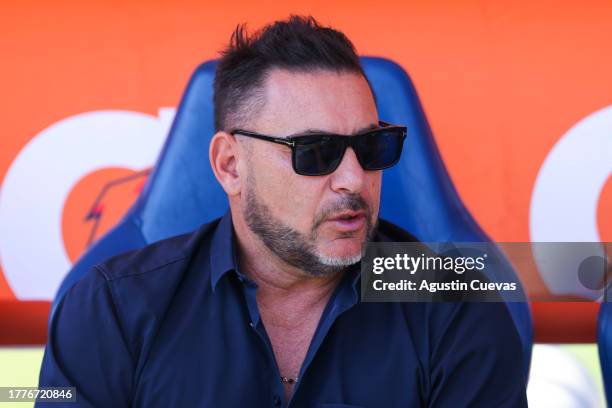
(316, 223)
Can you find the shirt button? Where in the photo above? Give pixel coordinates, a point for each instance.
(277, 401)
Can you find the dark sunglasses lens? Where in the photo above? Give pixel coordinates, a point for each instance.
(380, 150)
(318, 156)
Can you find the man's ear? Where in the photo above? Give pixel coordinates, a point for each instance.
(224, 154)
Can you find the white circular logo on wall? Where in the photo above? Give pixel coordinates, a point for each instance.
(38, 182)
(565, 197)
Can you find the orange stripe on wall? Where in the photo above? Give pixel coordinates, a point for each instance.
(570, 322)
(23, 323)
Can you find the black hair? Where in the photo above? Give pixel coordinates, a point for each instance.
(297, 44)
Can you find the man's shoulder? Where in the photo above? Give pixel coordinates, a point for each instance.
(133, 290)
(166, 253)
(441, 316)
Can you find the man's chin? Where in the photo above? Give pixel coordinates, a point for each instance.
(340, 257)
(339, 261)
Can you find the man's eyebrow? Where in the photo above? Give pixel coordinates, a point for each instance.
(313, 131)
(369, 127)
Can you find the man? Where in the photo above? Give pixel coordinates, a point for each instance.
(261, 307)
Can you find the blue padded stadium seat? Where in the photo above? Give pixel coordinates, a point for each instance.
(182, 192)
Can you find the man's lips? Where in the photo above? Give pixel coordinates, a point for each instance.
(348, 221)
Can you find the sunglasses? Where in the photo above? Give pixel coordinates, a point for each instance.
(321, 154)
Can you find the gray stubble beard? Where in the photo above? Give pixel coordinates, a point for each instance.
(294, 247)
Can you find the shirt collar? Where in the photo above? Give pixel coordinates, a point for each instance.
(223, 251)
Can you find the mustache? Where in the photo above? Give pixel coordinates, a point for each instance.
(350, 202)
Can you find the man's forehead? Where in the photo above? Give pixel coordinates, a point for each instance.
(316, 101)
(283, 83)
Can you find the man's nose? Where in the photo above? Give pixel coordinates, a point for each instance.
(349, 176)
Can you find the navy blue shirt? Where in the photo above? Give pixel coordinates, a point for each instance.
(175, 324)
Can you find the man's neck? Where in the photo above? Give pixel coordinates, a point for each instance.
(281, 286)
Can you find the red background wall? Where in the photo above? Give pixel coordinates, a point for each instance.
(501, 82)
